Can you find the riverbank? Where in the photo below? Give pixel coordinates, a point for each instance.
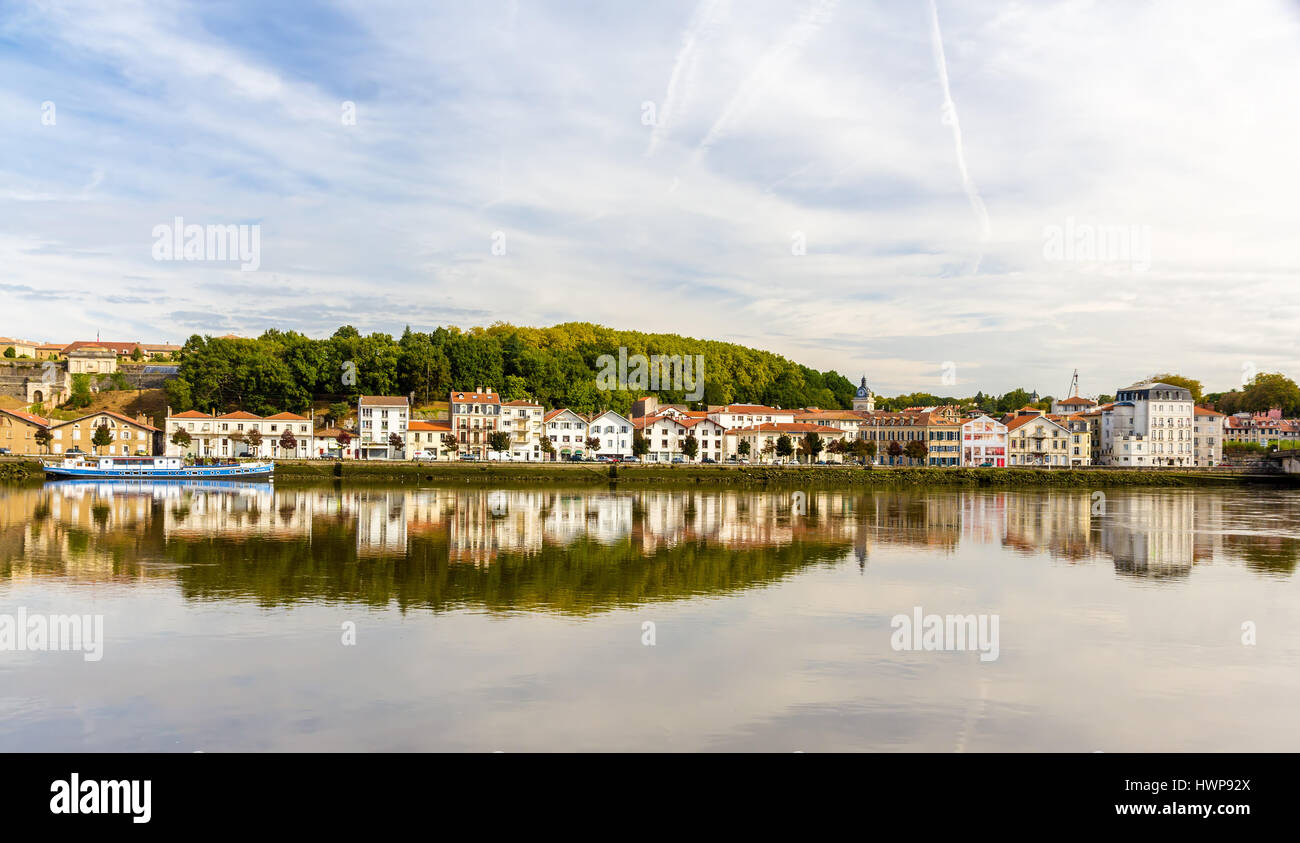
(578, 474)
(801, 476)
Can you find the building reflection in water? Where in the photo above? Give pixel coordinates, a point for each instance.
(693, 540)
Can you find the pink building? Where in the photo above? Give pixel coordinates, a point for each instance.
(983, 443)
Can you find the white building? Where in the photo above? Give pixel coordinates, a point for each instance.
(241, 434)
(379, 419)
(524, 421)
(1149, 424)
(983, 442)
(748, 415)
(614, 432)
(568, 433)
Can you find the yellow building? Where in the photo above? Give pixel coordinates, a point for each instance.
(129, 436)
(18, 432)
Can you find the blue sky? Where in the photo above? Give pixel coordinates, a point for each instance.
(774, 124)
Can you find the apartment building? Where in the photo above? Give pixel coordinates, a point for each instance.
(983, 442)
(748, 415)
(524, 421)
(380, 418)
(936, 426)
(474, 417)
(1080, 439)
(18, 431)
(241, 434)
(763, 438)
(1207, 436)
(614, 431)
(1151, 422)
(568, 433)
(130, 436)
(427, 440)
(1034, 439)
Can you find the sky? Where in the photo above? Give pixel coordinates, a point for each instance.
(943, 197)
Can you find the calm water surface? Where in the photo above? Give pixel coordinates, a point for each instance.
(513, 619)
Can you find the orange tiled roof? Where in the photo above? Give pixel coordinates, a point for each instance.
(28, 417)
(192, 414)
(240, 414)
(785, 427)
(287, 417)
(475, 398)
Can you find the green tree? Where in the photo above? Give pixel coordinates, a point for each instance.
(548, 447)
(813, 444)
(1178, 380)
(640, 445)
(137, 354)
(80, 393)
(102, 438)
(10, 352)
(916, 449)
(1268, 391)
(784, 446)
(254, 440)
(181, 438)
(1013, 400)
(690, 446)
(499, 441)
(744, 448)
(43, 438)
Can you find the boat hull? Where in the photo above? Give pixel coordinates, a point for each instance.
(190, 472)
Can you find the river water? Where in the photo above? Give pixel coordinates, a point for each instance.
(246, 617)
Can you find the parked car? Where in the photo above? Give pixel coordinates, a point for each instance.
(708, 460)
(5, 451)
(605, 458)
(469, 457)
(986, 464)
(678, 459)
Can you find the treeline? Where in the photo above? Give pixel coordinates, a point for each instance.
(555, 366)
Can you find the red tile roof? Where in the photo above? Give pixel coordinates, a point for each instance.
(384, 400)
(240, 414)
(31, 418)
(474, 398)
(785, 427)
(192, 414)
(287, 417)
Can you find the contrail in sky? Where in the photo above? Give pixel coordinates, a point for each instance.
(950, 119)
(786, 51)
(681, 81)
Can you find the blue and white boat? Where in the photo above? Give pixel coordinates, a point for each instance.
(155, 468)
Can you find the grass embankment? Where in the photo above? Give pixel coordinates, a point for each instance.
(128, 402)
(18, 470)
(804, 476)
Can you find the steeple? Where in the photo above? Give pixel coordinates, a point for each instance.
(864, 399)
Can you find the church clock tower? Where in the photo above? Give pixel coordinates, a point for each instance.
(865, 399)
